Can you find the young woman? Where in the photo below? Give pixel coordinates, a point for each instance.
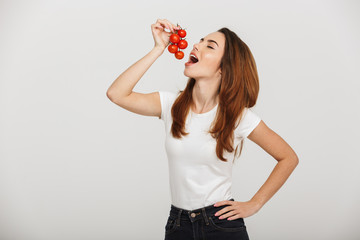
(204, 123)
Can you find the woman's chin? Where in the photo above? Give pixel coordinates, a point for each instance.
(187, 74)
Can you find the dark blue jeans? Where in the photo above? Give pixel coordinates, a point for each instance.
(202, 224)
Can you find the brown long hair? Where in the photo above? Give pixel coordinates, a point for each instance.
(239, 88)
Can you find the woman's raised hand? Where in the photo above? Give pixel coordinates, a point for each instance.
(161, 37)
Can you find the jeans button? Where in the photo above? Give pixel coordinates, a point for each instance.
(193, 214)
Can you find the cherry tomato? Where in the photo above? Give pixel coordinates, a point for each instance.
(182, 33)
(173, 48)
(178, 42)
(179, 55)
(174, 38)
(182, 44)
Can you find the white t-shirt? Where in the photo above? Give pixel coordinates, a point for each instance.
(197, 177)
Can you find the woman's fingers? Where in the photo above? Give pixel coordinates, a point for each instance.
(168, 26)
(166, 23)
(162, 37)
(160, 26)
(173, 27)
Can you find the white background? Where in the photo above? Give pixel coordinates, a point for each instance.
(75, 166)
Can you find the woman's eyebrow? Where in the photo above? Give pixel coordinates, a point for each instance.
(210, 40)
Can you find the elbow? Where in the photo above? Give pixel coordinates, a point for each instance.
(290, 160)
(114, 98)
(295, 160)
(110, 95)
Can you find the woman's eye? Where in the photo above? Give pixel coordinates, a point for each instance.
(210, 47)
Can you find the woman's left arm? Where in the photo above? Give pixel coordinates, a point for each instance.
(287, 159)
(280, 150)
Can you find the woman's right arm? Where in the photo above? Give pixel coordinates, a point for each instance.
(120, 92)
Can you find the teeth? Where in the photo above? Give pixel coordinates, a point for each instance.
(193, 56)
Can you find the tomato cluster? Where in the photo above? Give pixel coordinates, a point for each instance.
(178, 42)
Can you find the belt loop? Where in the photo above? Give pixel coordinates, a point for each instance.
(179, 216)
(205, 216)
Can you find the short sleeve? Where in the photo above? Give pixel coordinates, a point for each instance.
(166, 101)
(248, 123)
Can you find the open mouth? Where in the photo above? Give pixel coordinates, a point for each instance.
(192, 60)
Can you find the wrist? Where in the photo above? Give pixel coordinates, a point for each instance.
(158, 49)
(257, 203)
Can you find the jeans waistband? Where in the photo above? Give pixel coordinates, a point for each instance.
(196, 214)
